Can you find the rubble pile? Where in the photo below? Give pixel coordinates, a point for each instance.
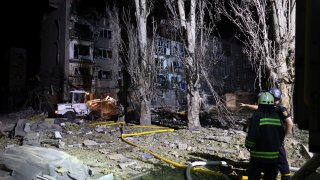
(106, 108)
(100, 147)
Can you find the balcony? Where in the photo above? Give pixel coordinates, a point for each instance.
(82, 34)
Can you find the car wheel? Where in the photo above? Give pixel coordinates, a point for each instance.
(71, 116)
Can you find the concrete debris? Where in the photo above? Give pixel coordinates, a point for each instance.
(100, 129)
(225, 139)
(126, 164)
(49, 120)
(147, 155)
(57, 135)
(116, 156)
(32, 139)
(19, 130)
(4, 128)
(305, 152)
(90, 143)
(10, 146)
(182, 146)
(102, 149)
(44, 126)
(106, 177)
(27, 128)
(62, 144)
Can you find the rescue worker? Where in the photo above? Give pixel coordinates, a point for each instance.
(283, 164)
(265, 136)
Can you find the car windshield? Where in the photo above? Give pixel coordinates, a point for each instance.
(78, 98)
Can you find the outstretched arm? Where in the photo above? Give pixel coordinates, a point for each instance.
(250, 106)
(289, 125)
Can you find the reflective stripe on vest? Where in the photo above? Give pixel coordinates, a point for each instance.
(264, 155)
(270, 121)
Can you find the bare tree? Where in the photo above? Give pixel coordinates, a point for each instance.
(196, 35)
(267, 30)
(139, 59)
(188, 25)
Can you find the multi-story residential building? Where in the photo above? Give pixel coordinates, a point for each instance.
(77, 52)
(229, 67)
(171, 77)
(228, 70)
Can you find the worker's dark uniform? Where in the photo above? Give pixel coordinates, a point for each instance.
(283, 164)
(265, 136)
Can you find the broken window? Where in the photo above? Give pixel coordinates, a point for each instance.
(80, 50)
(82, 31)
(83, 71)
(105, 75)
(160, 63)
(105, 33)
(162, 81)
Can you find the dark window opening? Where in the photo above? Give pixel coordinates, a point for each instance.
(80, 50)
(84, 71)
(107, 75)
(105, 53)
(105, 33)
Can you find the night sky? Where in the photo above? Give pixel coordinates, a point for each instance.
(21, 28)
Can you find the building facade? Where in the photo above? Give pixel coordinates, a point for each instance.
(79, 51)
(169, 56)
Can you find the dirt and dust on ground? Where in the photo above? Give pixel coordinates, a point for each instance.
(100, 147)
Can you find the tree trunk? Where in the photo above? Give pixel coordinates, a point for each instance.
(193, 108)
(144, 83)
(192, 78)
(283, 13)
(145, 111)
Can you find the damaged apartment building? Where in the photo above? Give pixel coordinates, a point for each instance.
(227, 66)
(169, 56)
(79, 49)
